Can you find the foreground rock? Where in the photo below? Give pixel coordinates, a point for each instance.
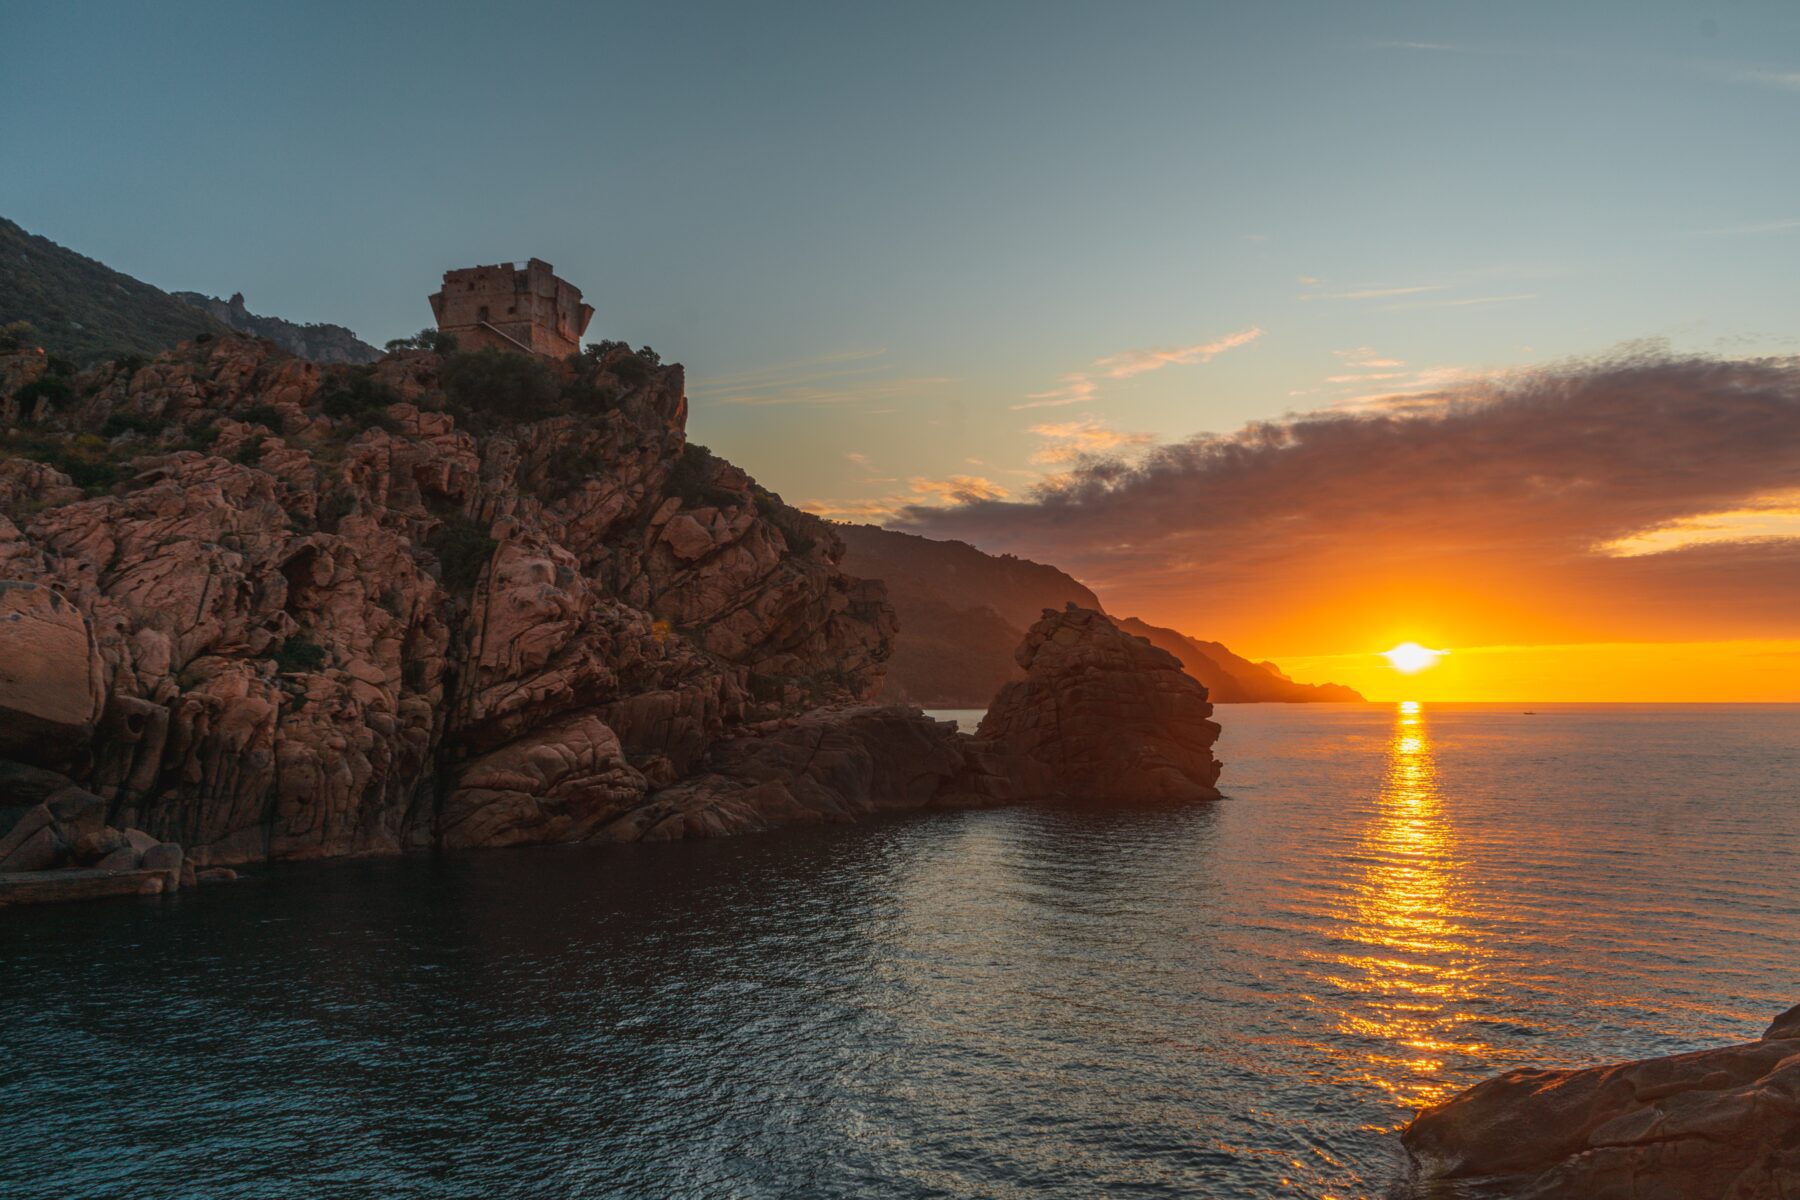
(1722, 1124)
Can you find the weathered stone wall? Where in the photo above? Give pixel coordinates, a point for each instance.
(531, 307)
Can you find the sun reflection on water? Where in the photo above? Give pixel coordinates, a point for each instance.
(1408, 985)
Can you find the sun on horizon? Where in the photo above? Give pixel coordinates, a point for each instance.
(1409, 658)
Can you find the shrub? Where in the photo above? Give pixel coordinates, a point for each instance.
(355, 394)
(87, 460)
(121, 423)
(507, 384)
(201, 438)
(266, 415)
(248, 454)
(17, 335)
(53, 391)
(299, 654)
(463, 548)
(691, 479)
(426, 339)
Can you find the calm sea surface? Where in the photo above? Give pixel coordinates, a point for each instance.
(1244, 999)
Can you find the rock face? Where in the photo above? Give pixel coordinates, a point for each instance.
(51, 682)
(342, 611)
(264, 610)
(1722, 1124)
(1106, 716)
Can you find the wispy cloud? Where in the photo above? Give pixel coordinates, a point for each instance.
(1374, 293)
(1074, 389)
(1464, 302)
(1136, 362)
(1416, 46)
(1780, 78)
(1784, 225)
(841, 377)
(1078, 387)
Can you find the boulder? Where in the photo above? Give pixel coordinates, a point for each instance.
(39, 852)
(91, 848)
(123, 859)
(52, 685)
(1104, 716)
(215, 875)
(17, 824)
(1722, 1123)
(77, 813)
(165, 857)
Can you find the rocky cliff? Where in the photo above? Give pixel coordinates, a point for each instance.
(330, 619)
(316, 342)
(1722, 1124)
(262, 609)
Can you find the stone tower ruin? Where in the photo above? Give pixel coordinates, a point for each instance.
(529, 310)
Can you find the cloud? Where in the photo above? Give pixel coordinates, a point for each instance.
(1079, 387)
(1136, 362)
(924, 493)
(857, 457)
(1374, 293)
(1071, 441)
(1785, 225)
(1366, 356)
(1498, 504)
(1778, 78)
(1074, 389)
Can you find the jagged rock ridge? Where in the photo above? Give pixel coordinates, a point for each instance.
(315, 342)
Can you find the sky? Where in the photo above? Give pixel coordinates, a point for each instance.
(1306, 328)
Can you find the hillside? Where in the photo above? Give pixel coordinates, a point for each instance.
(315, 342)
(85, 311)
(961, 612)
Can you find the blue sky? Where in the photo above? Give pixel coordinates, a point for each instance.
(915, 250)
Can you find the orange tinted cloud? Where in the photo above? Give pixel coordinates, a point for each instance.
(1473, 515)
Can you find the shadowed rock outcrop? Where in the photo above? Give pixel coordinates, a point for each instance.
(1722, 1124)
(1105, 715)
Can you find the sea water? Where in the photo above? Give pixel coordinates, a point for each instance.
(1240, 999)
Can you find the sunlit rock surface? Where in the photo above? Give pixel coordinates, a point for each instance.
(1720, 1124)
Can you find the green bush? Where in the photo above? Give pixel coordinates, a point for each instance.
(17, 335)
(463, 548)
(299, 654)
(522, 387)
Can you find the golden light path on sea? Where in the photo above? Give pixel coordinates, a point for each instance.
(1417, 964)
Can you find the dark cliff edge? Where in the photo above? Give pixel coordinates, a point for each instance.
(1714, 1123)
(260, 609)
(962, 611)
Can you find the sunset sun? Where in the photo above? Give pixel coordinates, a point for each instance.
(1410, 657)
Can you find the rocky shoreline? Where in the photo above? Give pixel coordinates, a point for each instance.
(1721, 1124)
(255, 609)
